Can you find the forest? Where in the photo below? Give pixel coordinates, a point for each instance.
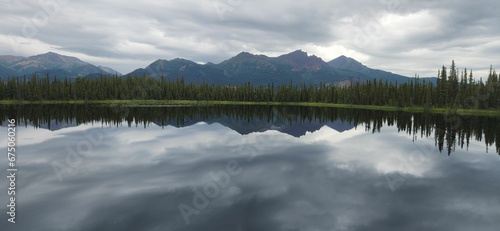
(446, 134)
(453, 89)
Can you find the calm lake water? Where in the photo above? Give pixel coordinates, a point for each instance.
(250, 168)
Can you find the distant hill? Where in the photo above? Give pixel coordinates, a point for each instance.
(189, 70)
(297, 67)
(6, 72)
(50, 63)
(350, 64)
(109, 70)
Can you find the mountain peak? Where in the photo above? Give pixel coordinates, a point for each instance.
(52, 57)
(347, 63)
(299, 59)
(243, 57)
(244, 54)
(10, 59)
(158, 62)
(49, 54)
(49, 63)
(181, 60)
(344, 62)
(299, 52)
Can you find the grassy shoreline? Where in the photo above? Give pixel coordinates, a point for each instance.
(488, 112)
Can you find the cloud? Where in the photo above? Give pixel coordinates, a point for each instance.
(137, 177)
(397, 35)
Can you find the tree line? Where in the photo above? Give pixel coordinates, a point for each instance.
(453, 89)
(448, 136)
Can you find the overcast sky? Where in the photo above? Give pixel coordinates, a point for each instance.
(402, 36)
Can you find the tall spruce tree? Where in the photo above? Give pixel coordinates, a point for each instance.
(442, 87)
(452, 84)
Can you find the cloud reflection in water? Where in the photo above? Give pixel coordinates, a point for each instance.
(325, 180)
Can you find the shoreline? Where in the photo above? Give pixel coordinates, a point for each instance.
(189, 103)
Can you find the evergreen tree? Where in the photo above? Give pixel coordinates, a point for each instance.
(442, 87)
(452, 84)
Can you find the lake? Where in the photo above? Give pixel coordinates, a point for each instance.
(84, 167)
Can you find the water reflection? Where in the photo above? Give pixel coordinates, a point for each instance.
(304, 169)
(449, 131)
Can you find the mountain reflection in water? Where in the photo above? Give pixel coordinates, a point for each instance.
(251, 168)
(449, 131)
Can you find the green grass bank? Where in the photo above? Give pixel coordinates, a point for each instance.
(132, 103)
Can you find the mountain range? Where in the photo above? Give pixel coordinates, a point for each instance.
(50, 63)
(242, 126)
(297, 67)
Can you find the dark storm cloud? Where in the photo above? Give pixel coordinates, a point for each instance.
(397, 35)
